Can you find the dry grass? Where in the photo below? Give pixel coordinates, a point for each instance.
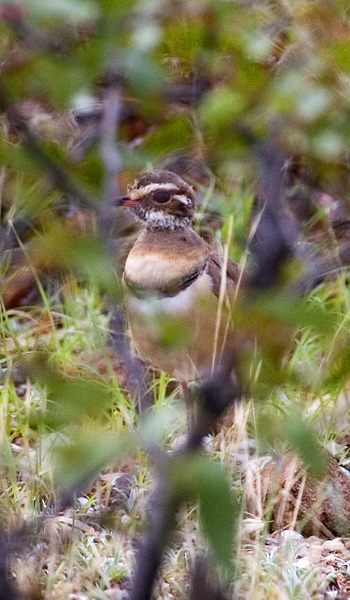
(87, 552)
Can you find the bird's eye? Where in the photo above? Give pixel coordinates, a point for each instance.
(161, 197)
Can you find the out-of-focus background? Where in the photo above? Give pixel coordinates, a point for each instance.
(92, 93)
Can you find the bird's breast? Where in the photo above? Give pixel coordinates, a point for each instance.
(156, 270)
(175, 333)
(180, 303)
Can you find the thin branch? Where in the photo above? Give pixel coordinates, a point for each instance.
(112, 106)
(204, 584)
(162, 523)
(214, 396)
(110, 156)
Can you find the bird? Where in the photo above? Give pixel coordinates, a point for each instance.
(178, 287)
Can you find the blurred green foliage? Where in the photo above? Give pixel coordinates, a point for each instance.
(197, 75)
(195, 478)
(270, 66)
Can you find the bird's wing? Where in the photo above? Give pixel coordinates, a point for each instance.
(215, 268)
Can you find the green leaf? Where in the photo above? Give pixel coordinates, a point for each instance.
(91, 172)
(276, 426)
(146, 77)
(79, 461)
(157, 424)
(61, 77)
(115, 9)
(340, 52)
(82, 251)
(328, 144)
(303, 439)
(301, 313)
(221, 107)
(73, 10)
(198, 479)
(68, 400)
(173, 135)
(185, 40)
(174, 332)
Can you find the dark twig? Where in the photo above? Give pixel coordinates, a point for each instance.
(110, 156)
(204, 584)
(8, 590)
(112, 162)
(215, 395)
(12, 543)
(161, 525)
(276, 236)
(279, 236)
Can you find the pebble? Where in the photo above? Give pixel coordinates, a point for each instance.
(82, 501)
(315, 552)
(335, 545)
(302, 563)
(289, 535)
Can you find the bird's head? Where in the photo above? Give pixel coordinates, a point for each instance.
(161, 200)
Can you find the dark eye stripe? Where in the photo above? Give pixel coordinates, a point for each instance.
(161, 197)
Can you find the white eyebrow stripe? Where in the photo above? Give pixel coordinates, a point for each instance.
(137, 193)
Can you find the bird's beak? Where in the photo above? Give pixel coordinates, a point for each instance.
(127, 201)
(120, 201)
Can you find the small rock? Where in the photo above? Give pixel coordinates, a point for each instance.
(82, 501)
(302, 563)
(289, 535)
(123, 481)
(179, 443)
(125, 519)
(332, 559)
(335, 545)
(331, 594)
(315, 552)
(207, 443)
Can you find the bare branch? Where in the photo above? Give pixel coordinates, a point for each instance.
(214, 396)
(106, 217)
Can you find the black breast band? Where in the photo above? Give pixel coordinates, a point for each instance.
(168, 291)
